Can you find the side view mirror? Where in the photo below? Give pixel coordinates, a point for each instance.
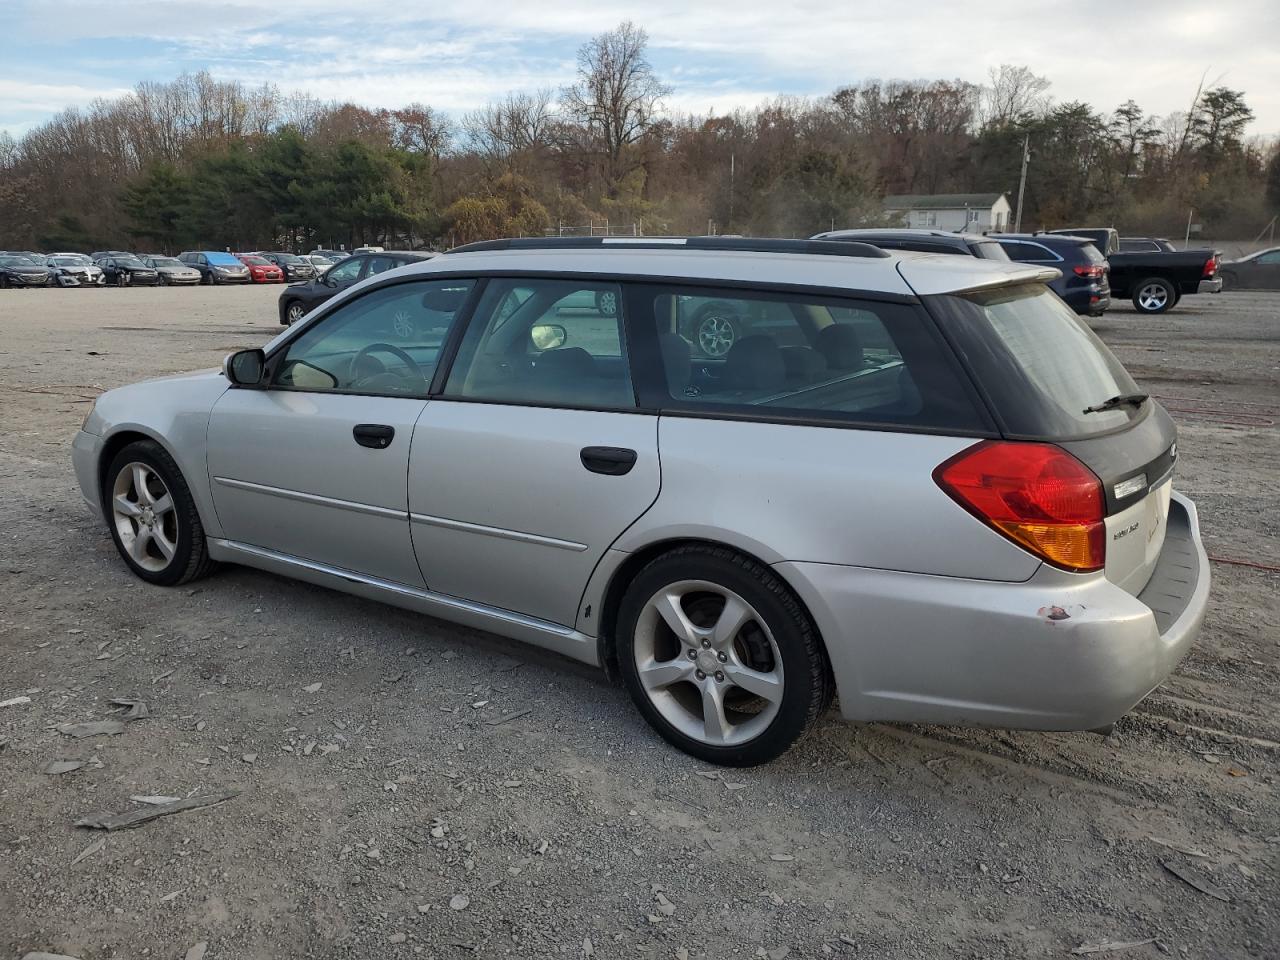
(548, 336)
(327, 280)
(245, 368)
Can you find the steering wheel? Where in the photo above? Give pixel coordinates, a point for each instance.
(365, 351)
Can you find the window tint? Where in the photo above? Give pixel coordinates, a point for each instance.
(815, 357)
(1273, 257)
(1138, 246)
(1040, 363)
(1025, 252)
(544, 341)
(345, 272)
(386, 342)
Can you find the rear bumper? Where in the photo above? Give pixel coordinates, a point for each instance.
(1058, 652)
(1210, 286)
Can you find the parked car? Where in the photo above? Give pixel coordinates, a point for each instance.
(1257, 271)
(18, 271)
(74, 270)
(1146, 245)
(923, 241)
(293, 266)
(320, 263)
(1155, 280)
(261, 270)
(1083, 283)
(126, 270)
(970, 528)
(103, 254)
(1106, 239)
(172, 271)
(299, 299)
(334, 255)
(215, 266)
(368, 250)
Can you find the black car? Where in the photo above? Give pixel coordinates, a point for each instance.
(1257, 271)
(128, 271)
(294, 267)
(923, 241)
(18, 271)
(1084, 283)
(298, 300)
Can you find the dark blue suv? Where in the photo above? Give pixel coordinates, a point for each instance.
(1083, 285)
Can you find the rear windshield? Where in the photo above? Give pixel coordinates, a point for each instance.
(1039, 363)
(1091, 253)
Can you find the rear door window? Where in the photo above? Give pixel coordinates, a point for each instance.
(793, 356)
(1039, 363)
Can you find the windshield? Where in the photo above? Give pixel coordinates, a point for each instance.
(16, 262)
(256, 261)
(130, 262)
(291, 259)
(1038, 362)
(71, 261)
(222, 259)
(166, 262)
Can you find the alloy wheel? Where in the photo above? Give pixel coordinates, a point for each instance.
(716, 335)
(142, 510)
(295, 312)
(1153, 297)
(708, 663)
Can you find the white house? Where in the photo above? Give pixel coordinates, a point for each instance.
(968, 212)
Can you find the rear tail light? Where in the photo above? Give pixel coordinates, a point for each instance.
(1092, 272)
(1210, 267)
(1036, 494)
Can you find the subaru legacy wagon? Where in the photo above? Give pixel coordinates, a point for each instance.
(916, 484)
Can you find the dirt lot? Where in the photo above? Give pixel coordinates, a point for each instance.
(449, 794)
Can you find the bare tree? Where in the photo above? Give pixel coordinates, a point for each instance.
(519, 123)
(1013, 93)
(616, 97)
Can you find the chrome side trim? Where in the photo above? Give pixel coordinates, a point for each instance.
(312, 498)
(500, 532)
(508, 623)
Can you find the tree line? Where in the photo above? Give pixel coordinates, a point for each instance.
(198, 162)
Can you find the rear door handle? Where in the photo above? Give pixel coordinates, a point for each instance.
(611, 461)
(375, 435)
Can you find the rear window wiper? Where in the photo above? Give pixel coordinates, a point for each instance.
(1137, 399)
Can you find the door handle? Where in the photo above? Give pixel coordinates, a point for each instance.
(375, 435)
(611, 461)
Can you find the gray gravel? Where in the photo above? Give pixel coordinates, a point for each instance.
(445, 793)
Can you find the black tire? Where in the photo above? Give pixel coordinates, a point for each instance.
(4, 281)
(1154, 295)
(121, 281)
(206, 279)
(808, 688)
(290, 308)
(1229, 280)
(190, 558)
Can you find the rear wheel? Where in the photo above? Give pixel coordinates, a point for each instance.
(1154, 295)
(153, 517)
(720, 657)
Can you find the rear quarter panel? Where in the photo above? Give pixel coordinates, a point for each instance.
(1183, 269)
(785, 492)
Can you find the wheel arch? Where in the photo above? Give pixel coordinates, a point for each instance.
(634, 562)
(126, 434)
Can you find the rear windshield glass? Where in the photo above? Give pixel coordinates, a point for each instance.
(1039, 363)
(781, 355)
(1091, 254)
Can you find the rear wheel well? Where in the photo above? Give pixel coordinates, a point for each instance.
(626, 572)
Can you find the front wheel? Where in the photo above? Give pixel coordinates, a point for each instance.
(720, 657)
(153, 517)
(1154, 295)
(294, 312)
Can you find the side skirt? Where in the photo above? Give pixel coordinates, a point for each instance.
(540, 633)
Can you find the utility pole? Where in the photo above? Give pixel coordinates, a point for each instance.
(1022, 183)
(731, 172)
(1187, 241)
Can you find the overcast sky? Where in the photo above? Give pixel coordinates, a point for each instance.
(716, 55)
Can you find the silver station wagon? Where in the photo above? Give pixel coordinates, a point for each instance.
(917, 484)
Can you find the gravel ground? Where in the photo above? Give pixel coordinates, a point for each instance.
(410, 788)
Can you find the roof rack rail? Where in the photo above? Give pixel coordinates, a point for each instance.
(827, 248)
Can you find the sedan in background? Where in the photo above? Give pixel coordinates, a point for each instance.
(300, 298)
(320, 262)
(261, 270)
(128, 271)
(172, 271)
(1257, 271)
(216, 266)
(294, 267)
(74, 270)
(923, 241)
(22, 272)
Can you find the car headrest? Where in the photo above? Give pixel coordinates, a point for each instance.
(754, 363)
(840, 345)
(566, 362)
(677, 359)
(803, 363)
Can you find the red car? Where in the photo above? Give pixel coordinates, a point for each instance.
(261, 270)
